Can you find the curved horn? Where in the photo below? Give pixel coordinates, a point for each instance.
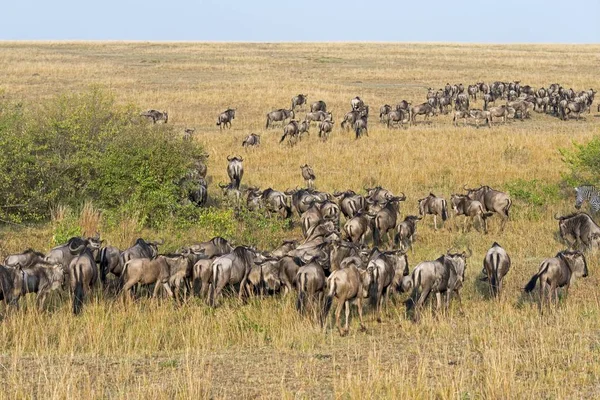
(229, 158)
(558, 218)
(78, 249)
(465, 187)
(402, 197)
(240, 158)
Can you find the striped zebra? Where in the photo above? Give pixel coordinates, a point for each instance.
(589, 193)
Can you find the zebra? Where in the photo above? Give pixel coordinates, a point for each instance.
(589, 193)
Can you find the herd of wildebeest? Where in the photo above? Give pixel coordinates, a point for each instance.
(354, 247)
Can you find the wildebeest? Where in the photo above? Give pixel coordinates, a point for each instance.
(264, 277)
(318, 106)
(275, 202)
(471, 209)
(399, 117)
(350, 203)
(556, 272)
(224, 119)
(83, 272)
(444, 275)
(347, 285)
(25, 259)
(385, 219)
(522, 107)
(360, 126)
(325, 128)
(202, 276)
(422, 109)
(291, 131)
(575, 107)
(310, 284)
(460, 114)
(378, 194)
(110, 262)
(299, 100)
(405, 232)
(349, 119)
(231, 192)
(141, 249)
(252, 140)
(41, 278)
(308, 175)
(578, 228)
(216, 246)
(472, 91)
(479, 115)
(356, 103)
(492, 200)
(317, 116)
(156, 116)
(235, 170)
(502, 111)
(188, 133)
(63, 255)
(496, 264)
(279, 115)
(383, 269)
(433, 205)
(384, 110)
(164, 271)
(11, 285)
(286, 247)
(304, 127)
(232, 269)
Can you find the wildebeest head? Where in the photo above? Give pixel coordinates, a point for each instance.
(576, 262)
(235, 158)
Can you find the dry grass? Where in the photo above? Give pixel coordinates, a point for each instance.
(263, 349)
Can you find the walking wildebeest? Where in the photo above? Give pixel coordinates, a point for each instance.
(357, 227)
(386, 218)
(433, 205)
(235, 170)
(405, 232)
(156, 116)
(325, 128)
(421, 109)
(496, 264)
(399, 117)
(347, 285)
(471, 209)
(503, 111)
(141, 249)
(252, 140)
(383, 269)
(492, 200)
(41, 278)
(318, 106)
(291, 131)
(444, 275)
(317, 116)
(559, 271)
(232, 269)
(356, 103)
(11, 285)
(308, 174)
(224, 119)
(384, 110)
(350, 203)
(578, 228)
(83, 272)
(310, 283)
(279, 115)
(299, 100)
(360, 126)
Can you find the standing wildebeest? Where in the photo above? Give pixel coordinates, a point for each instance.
(25, 259)
(275, 202)
(347, 285)
(42, 278)
(299, 100)
(304, 127)
(360, 126)
(378, 194)
(350, 203)
(232, 269)
(578, 228)
(479, 115)
(444, 275)
(83, 272)
(503, 111)
(156, 116)
(110, 262)
(11, 285)
(472, 91)
(460, 114)
(433, 205)
(291, 131)
(162, 271)
(188, 133)
(235, 170)
(141, 249)
(421, 109)
(317, 116)
(471, 209)
(399, 117)
(405, 232)
(216, 246)
(309, 175)
(521, 107)
(386, 218)
(63, 255)
(487, 99)
(279, 116)
(357, 103)
(384, 110)
(496, 264)
(383, 269)
(444, 103)
(325, 128)
(492, 200)
(310, 283)
(252, 140)
(224, 119)
(202, 276)
(349, 119)
(559, 271)
(357, 227)
(318, 106)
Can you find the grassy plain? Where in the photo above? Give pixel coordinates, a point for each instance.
(262, 349)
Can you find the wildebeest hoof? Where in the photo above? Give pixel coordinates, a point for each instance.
(378, 319)
(363, 328)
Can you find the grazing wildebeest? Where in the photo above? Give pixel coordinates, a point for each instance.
(383, 269)
(310, 283)
(501, 111)
(25, 259)
(308, 174)
(422, 109)
(460, 114)
(433, 205)
(317, 116)
(349, 119)
(291, 131)
(360, 126)
(83, 272)
(385, 219)
(398, 117)
(224, 119)
(11, 285)
(235, 170)
(325, 128)
(42, 278)
(492, 200)
(350, 203)
(356, 103)
(299, 100)
(230, 192)
(253, 199)
(496, 264)
(405, 232)
(347, 285)
(384, 110)
(156, 115)
(578, 228)
(216, 246)
(479, 115)
(286, 247)
(471, 209)
(556, 272)
(279, 115)
(318, 106)
(252, 140)
(232, 269)
(188, 133)
(444, 275)
(275, 202)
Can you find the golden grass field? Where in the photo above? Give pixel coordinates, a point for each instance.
(263, 349)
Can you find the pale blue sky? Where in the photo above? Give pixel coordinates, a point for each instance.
(485, 21)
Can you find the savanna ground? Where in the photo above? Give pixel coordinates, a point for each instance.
(263, 348)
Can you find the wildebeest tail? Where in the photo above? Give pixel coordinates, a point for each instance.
(507, 207)
(531, 284)
(268, 120)
(495, 262)
(376, 234)
(444, 210)
(103, 265)
(213, 287)
(78, 292)
(416, 282)
(329, 299)
(283, 138)
(374, 288)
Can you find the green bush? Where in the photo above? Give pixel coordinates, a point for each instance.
(583, 162)
(85, 146)
(534, 192)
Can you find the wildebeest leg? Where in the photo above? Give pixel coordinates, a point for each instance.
(156, 289)
(338, 313)
(347, 305)
(435, 222)
(438, 301)
(360, 314)
(168, 289)
(41, 299)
